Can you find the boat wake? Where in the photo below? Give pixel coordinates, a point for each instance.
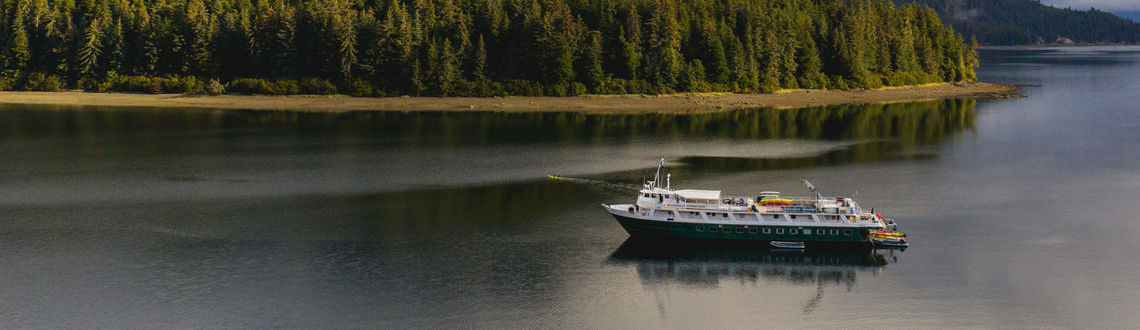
(620, 187)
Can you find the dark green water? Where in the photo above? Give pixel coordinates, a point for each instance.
(1019, 211)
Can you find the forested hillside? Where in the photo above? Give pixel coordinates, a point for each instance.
(474, 47)
(1025, 22)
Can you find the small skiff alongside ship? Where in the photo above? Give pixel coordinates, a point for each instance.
(889, 239)
(767, 218)
(787, 245)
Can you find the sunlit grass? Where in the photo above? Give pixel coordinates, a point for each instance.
(686, 94)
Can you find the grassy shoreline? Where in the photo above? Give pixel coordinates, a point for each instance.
(685, 102)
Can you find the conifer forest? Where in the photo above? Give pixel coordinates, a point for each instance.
(474, 47)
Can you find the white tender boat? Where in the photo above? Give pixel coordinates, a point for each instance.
(787, 245)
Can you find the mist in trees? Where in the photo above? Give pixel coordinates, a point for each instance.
(475, 47)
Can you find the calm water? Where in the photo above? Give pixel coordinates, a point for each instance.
(1021, 213)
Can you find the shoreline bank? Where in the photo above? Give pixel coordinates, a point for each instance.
(689, 102)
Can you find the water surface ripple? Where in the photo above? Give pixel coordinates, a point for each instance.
(1019, 213)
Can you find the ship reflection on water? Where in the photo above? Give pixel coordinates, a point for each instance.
(664, 263)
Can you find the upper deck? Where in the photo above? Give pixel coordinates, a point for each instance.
(765, 202)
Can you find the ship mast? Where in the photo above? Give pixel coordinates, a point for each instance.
(657, 177)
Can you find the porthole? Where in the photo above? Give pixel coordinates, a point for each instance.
(780, 231)
(793, 231)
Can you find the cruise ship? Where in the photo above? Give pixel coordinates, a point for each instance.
(766, 218)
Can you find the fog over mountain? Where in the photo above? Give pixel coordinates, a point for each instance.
(1108, 5)
(1133, 15)
(1028, 22)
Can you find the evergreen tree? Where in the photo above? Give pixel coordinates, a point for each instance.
(663, 47)
(199, 34)
(90, 51)
(631, 43)
(115, 47)
(718, 62)
(694, 78)
(447, 71)
(346, 48)
(20, 54)
(560, 36)
(809, 65)
(595, 75)
(480, 66)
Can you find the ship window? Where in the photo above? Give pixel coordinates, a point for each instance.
(752, 230)
(767, 230)
(820, 232)
(780, 231)
(847, 232)
(646, 195)
(793, 216)
(739, 230)
(834, 232)
(700, 228)
(807, 231)
(794, 231)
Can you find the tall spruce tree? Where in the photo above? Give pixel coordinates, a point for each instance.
(88, 57)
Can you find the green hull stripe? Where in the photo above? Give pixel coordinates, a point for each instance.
(743, 232)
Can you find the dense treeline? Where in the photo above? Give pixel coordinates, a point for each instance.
(474, 47)
(1023, 22)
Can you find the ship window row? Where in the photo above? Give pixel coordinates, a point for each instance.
(779, 231)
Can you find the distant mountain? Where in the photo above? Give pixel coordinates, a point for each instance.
(1021, 22)
(1132, 15)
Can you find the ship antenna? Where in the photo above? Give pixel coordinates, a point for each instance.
(812, 188)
